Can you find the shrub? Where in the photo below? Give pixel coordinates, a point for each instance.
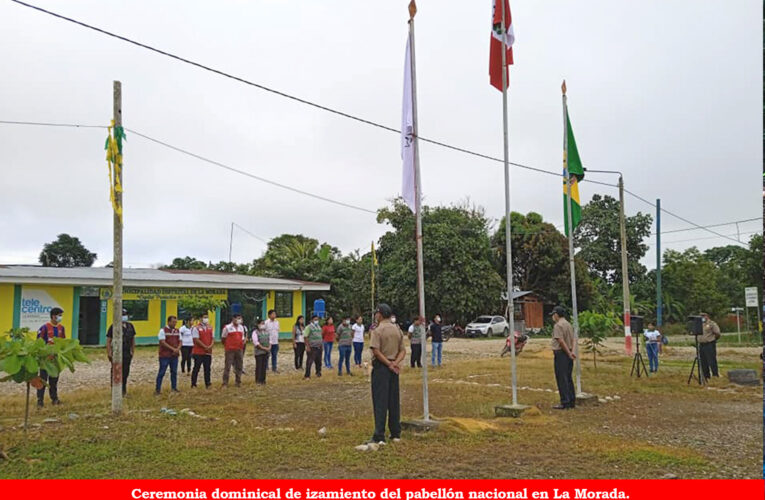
(674, 329)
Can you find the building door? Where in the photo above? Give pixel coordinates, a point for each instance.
(90, 320)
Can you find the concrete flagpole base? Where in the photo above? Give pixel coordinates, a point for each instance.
(420, 425)
(584, 399)
(514, 411)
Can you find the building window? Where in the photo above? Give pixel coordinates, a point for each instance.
(283, 304)
(138, 310)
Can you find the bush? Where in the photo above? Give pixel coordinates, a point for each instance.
(674, 329)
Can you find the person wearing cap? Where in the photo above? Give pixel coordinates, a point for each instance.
(387, 345)
(708, 346)
(563, 352)
(233, 337)
(202, 334)
(128, 347)
(53, 329)
(313, 347)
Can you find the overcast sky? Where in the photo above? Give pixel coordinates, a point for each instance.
(667, 92)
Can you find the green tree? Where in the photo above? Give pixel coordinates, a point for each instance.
(595, 327)
(599, 239)
(460, 281)
(541, 260)
(186, 264)
(689, 278)
(66, 251)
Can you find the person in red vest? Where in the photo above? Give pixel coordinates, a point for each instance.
(202, 334)
(169, 349)
(50, 330)
(233, 338)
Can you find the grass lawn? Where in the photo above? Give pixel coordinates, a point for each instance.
(656, 426)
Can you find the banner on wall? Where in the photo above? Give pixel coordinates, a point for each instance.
(35, 308)
(138, 293)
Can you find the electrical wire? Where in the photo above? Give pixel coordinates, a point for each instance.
(710, 225)
(704, 238)
(249, 233)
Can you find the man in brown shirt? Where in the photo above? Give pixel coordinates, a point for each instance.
(708, 346)
(563, 351)
(387, 344)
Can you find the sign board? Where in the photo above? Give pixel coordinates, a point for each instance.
(35, 308)
(751, 296)
(137, 293)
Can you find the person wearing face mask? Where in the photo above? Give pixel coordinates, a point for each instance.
(298, 342)
(128, 348)
(272, 327)
(437, 341)
(328, 334)
(169, 349)
(344, 342)
(187, 342)
(49, 331)
(202, 334)
(708, 346)
(416, 338)
(358, 341)
(313, 347)
(261, 339)
(233, 338)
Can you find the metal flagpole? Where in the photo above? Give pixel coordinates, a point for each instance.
(659, 305)
(231, 242)
(117, 259)
(570, 223)
(508, 243)
(418, 204)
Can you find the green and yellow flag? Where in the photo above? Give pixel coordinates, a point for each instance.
(573, 163)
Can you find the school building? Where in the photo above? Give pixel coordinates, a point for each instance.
(28, 293)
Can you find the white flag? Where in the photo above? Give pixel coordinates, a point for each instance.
(407, 134)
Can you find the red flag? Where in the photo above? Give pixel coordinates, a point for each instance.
(498, 39)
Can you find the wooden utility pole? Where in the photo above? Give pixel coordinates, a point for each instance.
(117, 262)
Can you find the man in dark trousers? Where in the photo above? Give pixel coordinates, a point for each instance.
(49, 331)
(563, 351)
(202, 350)
(708, 346)
(128, 347)
(387, 344)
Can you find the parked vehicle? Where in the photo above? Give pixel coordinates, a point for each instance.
(486, 326)
(520, 342)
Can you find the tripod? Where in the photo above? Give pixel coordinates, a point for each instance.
(697, 365)
(637, 360)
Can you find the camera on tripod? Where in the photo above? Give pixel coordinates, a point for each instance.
(695, 325)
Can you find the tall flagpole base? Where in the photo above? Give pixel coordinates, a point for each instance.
(584, 399)
(514, 411)
(420, 425)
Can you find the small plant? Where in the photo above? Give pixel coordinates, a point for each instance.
(595, 327)
(22, 356)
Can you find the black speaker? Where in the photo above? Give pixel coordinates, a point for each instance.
(695, 325)
(636, 324)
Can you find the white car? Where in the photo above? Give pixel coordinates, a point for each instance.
(487, 326)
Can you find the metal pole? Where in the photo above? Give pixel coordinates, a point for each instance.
(230, 243)
(625, 275)
(571, 262)
(508, 231)
(659, 305)
(738, 325)
(418, 206)
(117, 267)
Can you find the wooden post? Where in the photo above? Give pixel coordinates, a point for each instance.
(117, 268)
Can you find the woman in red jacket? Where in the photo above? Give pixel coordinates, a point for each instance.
(328, 336)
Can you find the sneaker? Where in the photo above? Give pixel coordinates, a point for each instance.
(306, 378)
(396, 440)
(56, 402)
(176, 391)
(350, 374)
(560, 407)
(382, 443)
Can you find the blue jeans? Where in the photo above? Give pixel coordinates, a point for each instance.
(274, 353)
(345, 354)
(163, 364)
(358, 348)
(652, 349)
(328, 354)
(437, 348)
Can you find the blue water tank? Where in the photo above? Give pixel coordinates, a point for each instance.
(319, 308)
(236, 308)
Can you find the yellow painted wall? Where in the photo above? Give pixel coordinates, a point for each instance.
(6, 307)
(286, 324)
(147, 328)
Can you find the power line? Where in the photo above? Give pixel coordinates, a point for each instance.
(48, 124)
(704, 238)
(710, 225)
(249, 233)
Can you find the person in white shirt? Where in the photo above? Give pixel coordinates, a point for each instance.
(272, 328)
(652, 340)
(358, 340)
(187, 342)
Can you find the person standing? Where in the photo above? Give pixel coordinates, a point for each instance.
(416, 338)
(298, 341)
(708, 346)
(328, 335)
(169, 349)
(233, 338)
(202, 335)
(563, 353)
(272, 328)
(652, 343)
(437, 341)
(344, 343)
(53, 329)
(313, 346)
(128, 348)
(358, 341)
(261, 340)
(387, 345)
(187, 342)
